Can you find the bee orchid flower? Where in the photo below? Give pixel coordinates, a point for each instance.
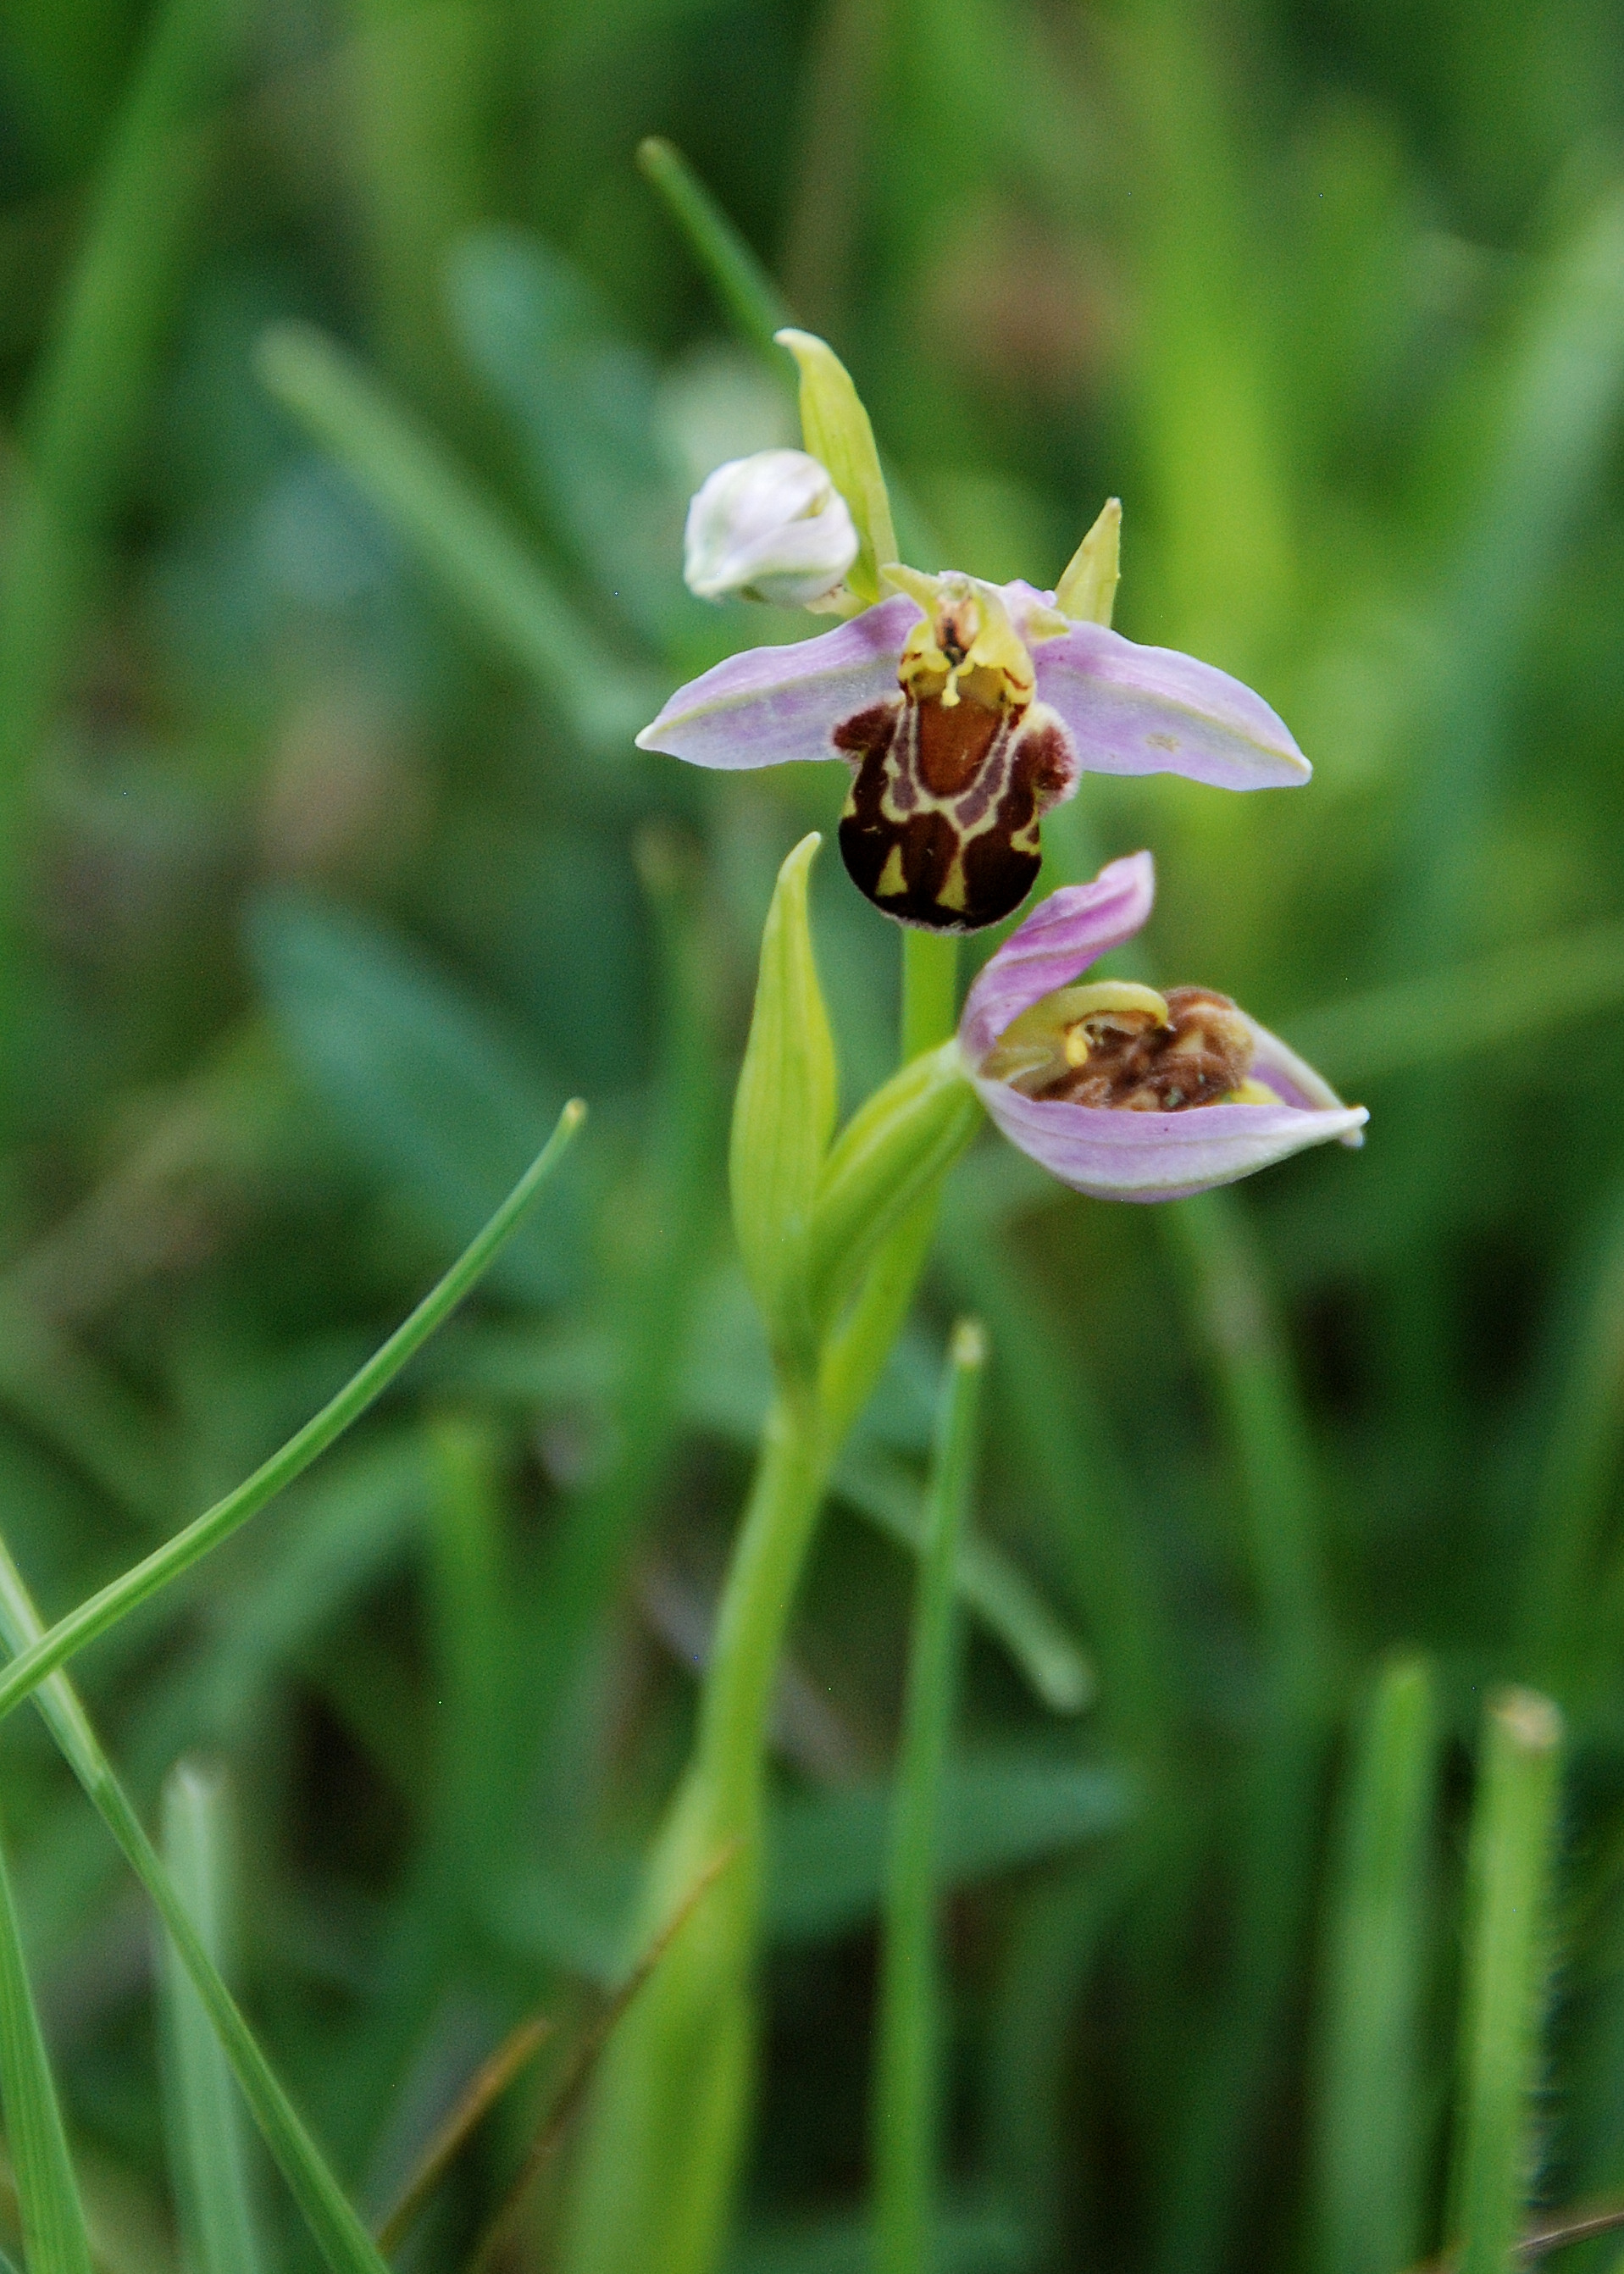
(965, 710)
(1117, 1090)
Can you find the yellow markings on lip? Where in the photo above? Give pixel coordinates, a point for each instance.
(965, 635)
(1252, 1092)
(892, 879)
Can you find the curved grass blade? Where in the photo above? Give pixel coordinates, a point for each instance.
(105, 1608)
(907, 2088)
(206, 2139)
(343, 2241)
(478, 552)
(53, 2218)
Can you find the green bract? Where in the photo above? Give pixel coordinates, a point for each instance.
(784, 1111)
(835, 428)
(894, 1149)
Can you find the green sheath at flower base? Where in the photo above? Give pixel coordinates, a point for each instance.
(894, 1148)
(835, 429)
(784, 1111)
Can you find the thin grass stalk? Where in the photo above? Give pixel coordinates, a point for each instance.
(1513, 1842)
(906, 2113)
(178, 1554)
(55, 2240)
(209, 2149)
(342, 2240)
(1369, 2127)
(757, 306)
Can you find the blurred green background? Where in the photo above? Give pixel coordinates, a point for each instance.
(328, 871)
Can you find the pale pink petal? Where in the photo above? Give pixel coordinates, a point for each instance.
(1152, 710)
(1293, 1079)
(1118, 1155)
(772, 705)
(1061, 938)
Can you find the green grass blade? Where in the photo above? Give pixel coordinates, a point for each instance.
(907, 2092)
(105, 1608)
(90, 390)
(1513, 1836)
(741, 282)
(1583, 1420)
(478, 552)
(207, 2146)
(1370, 2124)
(343, 2239)
(53, 2219)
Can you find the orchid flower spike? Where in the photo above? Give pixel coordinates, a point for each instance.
(964, 709)
(1117, 1090)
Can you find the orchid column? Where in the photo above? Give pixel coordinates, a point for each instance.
(964, 711)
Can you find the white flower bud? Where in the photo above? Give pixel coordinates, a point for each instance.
(772, 527)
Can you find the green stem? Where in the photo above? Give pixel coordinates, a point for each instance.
(908, 2089)
(121, 1595)
(655, 2181)
(929, 990)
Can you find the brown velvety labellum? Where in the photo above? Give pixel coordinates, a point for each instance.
(941, 827)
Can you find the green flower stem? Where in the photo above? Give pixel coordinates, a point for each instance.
(906, 2115)
(656, 2176)
(930, 989)
(123, 1594)
(1513, 1826)
(655, 2180)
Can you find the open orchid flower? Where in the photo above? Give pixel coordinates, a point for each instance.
(1117, 1090)
(965, 710)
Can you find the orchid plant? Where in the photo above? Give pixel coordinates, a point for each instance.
(965, 710)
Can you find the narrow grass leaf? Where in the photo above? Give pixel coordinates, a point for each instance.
(906, 2099)
(738, 278)
(477, 551)
(53, 2219)
(1371, 2121)
(143, 1580)
(1513, 1836)
(485, 2088)
(343, 2241)
(207, 2146)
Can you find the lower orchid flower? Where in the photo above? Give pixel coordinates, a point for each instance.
(1120, 1091)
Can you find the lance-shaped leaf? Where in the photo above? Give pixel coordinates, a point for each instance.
(835, 428)
(784, 1111)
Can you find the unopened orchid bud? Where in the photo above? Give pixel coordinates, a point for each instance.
(771, 527)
